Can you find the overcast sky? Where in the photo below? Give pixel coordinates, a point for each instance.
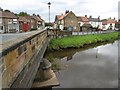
(102, 8)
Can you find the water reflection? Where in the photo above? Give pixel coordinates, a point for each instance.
(95, 67)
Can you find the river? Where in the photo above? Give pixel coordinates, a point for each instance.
(91, 67)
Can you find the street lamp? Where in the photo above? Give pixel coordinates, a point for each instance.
(49, 10)
(49, 16)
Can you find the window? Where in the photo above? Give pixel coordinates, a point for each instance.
(62, 21)
(1, 27)
(14, 20)
(0, 20)
(10, 21)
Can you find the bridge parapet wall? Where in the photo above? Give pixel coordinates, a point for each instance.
(19, 59)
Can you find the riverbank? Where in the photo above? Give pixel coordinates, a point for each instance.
(79, 41)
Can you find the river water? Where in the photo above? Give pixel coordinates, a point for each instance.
(91, 67)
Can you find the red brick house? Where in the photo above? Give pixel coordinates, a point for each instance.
(33, 22)
(23, 24)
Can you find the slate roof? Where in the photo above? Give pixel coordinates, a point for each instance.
(6, 14)
(94, 19)
(23, 19)
(37, 18)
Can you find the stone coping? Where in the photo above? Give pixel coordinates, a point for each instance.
(10, 45)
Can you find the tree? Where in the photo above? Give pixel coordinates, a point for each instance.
(22, 14)
(104, 20)
(1, 9)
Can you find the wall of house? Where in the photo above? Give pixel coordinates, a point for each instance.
(33, 24)
(113, 26)
(71, 20)
(1, 26)
(96, 24)
(10, 26)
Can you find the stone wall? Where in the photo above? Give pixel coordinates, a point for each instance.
(20, 62)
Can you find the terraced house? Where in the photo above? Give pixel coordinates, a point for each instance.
(67, 21)
(95, 22)
(84, 22)
(8, 22)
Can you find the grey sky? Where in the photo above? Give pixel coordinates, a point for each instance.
(102, 8)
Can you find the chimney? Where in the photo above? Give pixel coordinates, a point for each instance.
(85, 15)
(34, 14)
(99, 17)
(90, 16)
(67, 11)
(38, 15)
(114, 18)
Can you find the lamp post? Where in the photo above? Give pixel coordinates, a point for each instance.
(49, 10)
(49, 16)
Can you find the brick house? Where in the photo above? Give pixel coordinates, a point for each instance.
(40, 21)
(8, 22)
(23, 24)
(67, 21)
(83, 22)
(33, 22)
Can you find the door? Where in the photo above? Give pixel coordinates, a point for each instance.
(25, 27)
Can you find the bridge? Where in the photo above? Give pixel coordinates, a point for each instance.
(20, 59)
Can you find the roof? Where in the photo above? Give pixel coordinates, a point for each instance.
(110, 21)
(6, 14)
(37, 18)
(104, 22)
(60, 17)
(82, 19)
(94, 19)
(23, 19)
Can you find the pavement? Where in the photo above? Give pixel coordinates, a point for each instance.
(9, 39)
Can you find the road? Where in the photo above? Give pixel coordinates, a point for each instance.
(12, 36)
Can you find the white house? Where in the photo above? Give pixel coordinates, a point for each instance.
(95, 22)
(108, 24)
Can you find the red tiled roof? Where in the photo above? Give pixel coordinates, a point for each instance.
(82, 19)
(59, 17)
(110, 21)
(8, 15)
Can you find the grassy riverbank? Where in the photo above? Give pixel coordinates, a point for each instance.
(80, 41)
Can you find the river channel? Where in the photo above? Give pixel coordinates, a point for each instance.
(95, 66)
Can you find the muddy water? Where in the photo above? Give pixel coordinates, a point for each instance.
(92, 67)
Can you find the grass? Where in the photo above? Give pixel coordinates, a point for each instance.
(80, 41)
